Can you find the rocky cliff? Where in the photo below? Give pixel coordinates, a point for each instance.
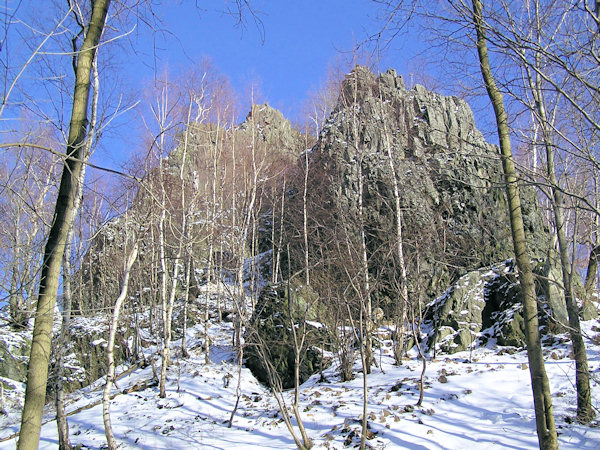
(265, 141)
(452, 197)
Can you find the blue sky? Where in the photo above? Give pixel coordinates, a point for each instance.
(287, 57)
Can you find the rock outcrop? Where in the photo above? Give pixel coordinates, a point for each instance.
(273, 130)
(270, 353)
(452, 196)
(85, 351)
(14, 353)
(265, 140)
(485, 304)
(85, 355)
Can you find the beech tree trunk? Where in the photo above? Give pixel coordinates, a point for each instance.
(546, 429)
(37, 375)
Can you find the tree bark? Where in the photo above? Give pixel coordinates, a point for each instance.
(61, 417)
(186, 299)
(585, 412)
(592, 269)
(546, 429)
(401, 315)
(298, 343)
(110, 376)
(37, 376)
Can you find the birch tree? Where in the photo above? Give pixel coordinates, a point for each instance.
(110, 376)
(28, 181)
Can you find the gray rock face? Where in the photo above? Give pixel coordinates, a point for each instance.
(14, 354)
(85, 356)
(450, 180)
(271, 128)
(485, 304)
(481, 304)
(269, 337)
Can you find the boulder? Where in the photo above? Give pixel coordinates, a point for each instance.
(85, 355)
(457, 316)
(269, 350)
(485, 304)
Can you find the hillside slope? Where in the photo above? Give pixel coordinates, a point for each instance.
(480, 399)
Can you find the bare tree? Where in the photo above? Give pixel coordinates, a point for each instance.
(110, 376)
(30, 178)
(53, 254)
(13, 65)
(541, 390)
(536, 49)
(61, 419)
(274, 382)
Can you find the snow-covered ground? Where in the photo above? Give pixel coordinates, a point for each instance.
(485, 403)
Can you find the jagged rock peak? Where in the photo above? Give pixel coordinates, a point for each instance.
(440, 122)
(263, 115)
(448, 177)
(364, 83)
(271, 126)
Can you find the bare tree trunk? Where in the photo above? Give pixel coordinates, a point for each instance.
(209, 275)
(110, 376)
(238, 257)
(165, 351)
(277, 257)
(211, 271)
(592, 270)
(585, 412)
(367, 321)
(304, 217)
(274, 248)
(546, 429)
(404, 303)
(61, 418)
(365, 294)
(298, 343)
(182, 238)
(416, 330)
(37, 376)
(364, 362)
(169, 320)
(24, 229)
(188, 270)
(17, 310)
(238, 387)
(275, 385)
